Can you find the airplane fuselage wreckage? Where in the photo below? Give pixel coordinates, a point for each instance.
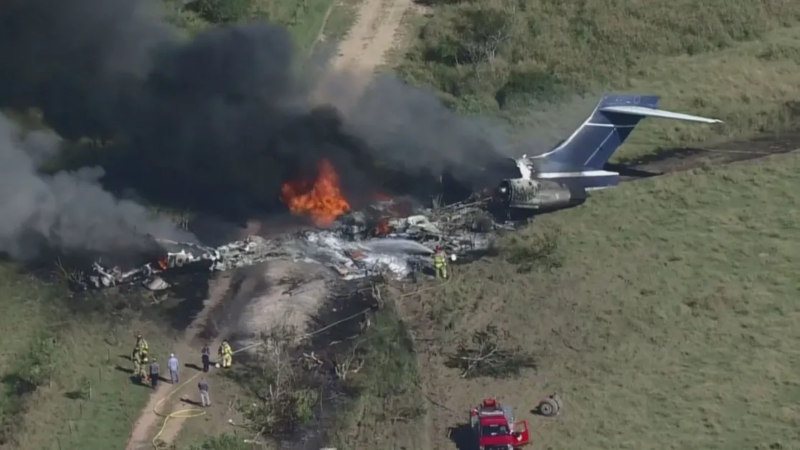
(564, 176)
(397, 237)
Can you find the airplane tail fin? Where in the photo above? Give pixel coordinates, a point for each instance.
(590, 146)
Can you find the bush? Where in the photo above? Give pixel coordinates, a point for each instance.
(304, 402)
(477, 34)
(221, 11)
(285, 399)
(38, 365)
(541, 252)
(487, 354)
(223, 442)
(390, 367)
(529, 85)
(33, 369)
(552, 49)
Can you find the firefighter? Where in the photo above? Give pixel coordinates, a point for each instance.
(440, 263)
(141, 345)
(143, 375)
(137, 364)
(226, 353)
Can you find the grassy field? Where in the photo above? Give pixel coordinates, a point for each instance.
(386, 410)
(340, 20)
(731, 60)
(670, 323)
(303, 18)
(64, 383)
(666, 314)
(51, 358)
(306, 20)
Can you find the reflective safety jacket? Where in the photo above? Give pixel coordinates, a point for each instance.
(439, 260)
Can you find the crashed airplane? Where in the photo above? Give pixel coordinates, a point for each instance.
(394, 237)
(358, 244)
(562, 177)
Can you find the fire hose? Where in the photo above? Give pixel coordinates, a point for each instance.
(189, 413)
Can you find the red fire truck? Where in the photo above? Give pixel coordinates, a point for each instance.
(495, 428)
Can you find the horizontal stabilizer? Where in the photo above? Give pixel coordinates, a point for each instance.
(580, 159)
(660, 113)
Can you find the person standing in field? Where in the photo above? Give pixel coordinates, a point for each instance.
(173, 368)
(154, 369)
(206, 358)
(202, 385)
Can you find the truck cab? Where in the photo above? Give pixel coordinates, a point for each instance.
(495, 429)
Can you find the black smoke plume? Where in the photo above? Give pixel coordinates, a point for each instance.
(214, 122)
(67, 210)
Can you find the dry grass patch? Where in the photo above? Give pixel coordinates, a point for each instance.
(671, 323)
(733, 60)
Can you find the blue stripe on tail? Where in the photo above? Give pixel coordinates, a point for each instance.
(595, 141)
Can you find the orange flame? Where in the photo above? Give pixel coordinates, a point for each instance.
(163, 263)
(321, 200)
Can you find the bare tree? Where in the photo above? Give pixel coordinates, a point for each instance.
(485, 31)
(487, 354)
(285, 400)
(70, 275)
(351, 363)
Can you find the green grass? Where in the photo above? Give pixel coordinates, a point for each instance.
(749, 87)
(672, 323)
(56, 417)
(341, 19)
(735, 60)
(304, 19)
(385, 409)
(222, 442)
(25, 316)
(64, 354)
(68, 353)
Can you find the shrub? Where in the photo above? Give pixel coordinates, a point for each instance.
(222, 11)
(285, 400)
(539, 253)
(488, 354)
(222, 442)
(38, 365)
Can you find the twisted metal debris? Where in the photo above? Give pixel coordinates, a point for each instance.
(361, 243)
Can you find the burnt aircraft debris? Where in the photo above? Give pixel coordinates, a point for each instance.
(394, 237)
(359, 244)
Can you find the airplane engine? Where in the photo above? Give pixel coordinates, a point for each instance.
(539, 195)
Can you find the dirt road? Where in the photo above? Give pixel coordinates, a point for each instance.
(372, 36)
(167, 397)
(363, 51)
